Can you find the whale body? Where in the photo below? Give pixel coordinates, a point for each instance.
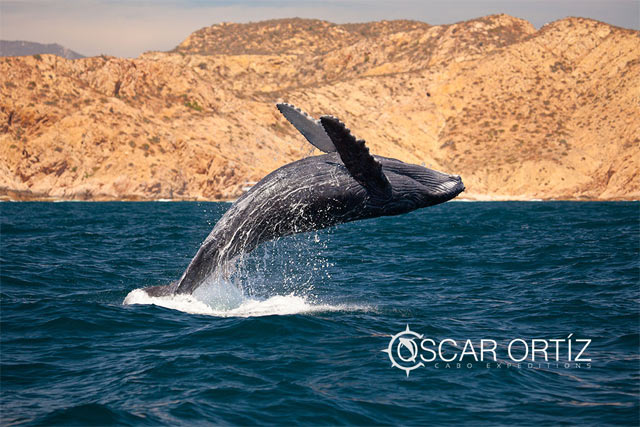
(346, 184)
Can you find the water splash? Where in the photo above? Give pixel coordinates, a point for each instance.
(278, 278)
(295, 264)
(279, 305)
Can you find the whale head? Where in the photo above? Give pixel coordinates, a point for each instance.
(415, 186)
(393, 187)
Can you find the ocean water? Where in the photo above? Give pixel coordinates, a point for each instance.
(297, 334)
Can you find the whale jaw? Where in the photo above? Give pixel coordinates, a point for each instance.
(450, 188)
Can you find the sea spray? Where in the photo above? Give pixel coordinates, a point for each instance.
(277, 278)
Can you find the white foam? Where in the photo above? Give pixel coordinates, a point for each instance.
(279, 305)
(185, 303)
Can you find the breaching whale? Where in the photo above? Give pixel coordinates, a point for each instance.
(345, 184)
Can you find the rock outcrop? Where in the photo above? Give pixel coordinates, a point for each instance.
(519, 113)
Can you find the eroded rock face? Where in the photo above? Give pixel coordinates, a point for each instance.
(519, 113)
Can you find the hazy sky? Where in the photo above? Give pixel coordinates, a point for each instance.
(130, 27)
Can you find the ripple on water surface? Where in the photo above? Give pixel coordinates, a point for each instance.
(297, 336)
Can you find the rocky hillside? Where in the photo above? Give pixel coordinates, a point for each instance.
(519, 113)
(24, 48)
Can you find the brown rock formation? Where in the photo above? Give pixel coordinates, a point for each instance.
(519, 113)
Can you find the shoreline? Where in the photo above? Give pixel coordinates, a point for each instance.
(488, 198)
(28, 196)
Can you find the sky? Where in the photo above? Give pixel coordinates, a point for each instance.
(128, 28)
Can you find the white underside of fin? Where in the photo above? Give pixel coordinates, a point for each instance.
(309, 127)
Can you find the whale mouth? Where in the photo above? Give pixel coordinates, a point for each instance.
(460, 186)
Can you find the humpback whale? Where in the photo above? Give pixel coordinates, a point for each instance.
(345, 184)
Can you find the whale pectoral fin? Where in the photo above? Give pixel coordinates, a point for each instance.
(309, 127)
(356, 157)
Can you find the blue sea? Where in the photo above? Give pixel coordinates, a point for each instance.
(302, 331)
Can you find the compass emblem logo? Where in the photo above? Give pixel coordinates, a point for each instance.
(403, 350)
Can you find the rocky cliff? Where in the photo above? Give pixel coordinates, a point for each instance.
(519, 113)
